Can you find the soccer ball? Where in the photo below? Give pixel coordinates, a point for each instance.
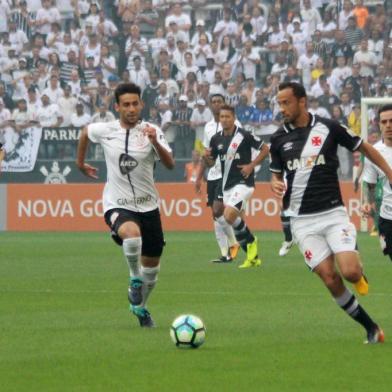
(188, 330)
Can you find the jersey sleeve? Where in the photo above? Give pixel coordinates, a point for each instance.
(370, 174)
(161, 140)
(345, 136)
(276, 164)
(213, 147)
(254, 141)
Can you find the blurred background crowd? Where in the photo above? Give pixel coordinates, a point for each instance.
(60, 61)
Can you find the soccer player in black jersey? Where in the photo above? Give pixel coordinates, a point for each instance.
(304, 149)
(233, 147)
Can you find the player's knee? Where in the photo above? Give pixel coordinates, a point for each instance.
(331, 280)
(352, 273)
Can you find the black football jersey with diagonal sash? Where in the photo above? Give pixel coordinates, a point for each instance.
(232, 151)
(308, 159)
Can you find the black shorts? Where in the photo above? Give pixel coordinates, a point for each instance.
(150, 228)
(214, 191)
(385, 230)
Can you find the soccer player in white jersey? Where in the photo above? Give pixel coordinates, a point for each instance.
(232, 148)
(130, 199)
(224, 233)
(370, 176)
(304, 149)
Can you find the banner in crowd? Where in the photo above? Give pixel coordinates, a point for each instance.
(21, 149)
(78, 207)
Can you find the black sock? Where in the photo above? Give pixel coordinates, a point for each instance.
(350, 305)
(242, 233)
(286, 228)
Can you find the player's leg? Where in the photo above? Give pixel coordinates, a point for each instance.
(346, 300)
(288, 238)
(125, 231)
(235, 202)
(152, 248)
(341, 236)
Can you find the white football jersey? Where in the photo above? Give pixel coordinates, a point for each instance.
(210, 129)
(130, 162)
(372, 173)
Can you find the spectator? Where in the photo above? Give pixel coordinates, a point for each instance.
(138, 74)
(361, 13)
(103, 115)
(49, 114)
(67, 105)
(311, 16)
(352, 33)
(339, 74)
(172, 86)
(243, 111)
(366, 59)
(306, 63)
(187, 67)
(226, 26)
(46, 15)
(298, 36)
(185, 135)
(156, 44)
(147, 19)
(232, 97)
(33, 101)
(248, 60)
(150, 93)
(17, 37)
(21, 117)
(315, 108)
(80, 118)
(354, 119)
(136, 45)
(181, 19)
(201, 51)
(200, 29)
(53, 91)
(345, 14)
(201, 115)
(192, 168)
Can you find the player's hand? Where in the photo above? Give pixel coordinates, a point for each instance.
(151, 133)
(89, 171)
(246, 170)
(356, 185)
(278, 188)
(367, 209)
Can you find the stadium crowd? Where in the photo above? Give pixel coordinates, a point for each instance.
(61, 60)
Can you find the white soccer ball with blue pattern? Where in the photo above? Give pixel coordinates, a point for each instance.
(188, 330)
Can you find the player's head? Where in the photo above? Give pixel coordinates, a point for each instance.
(128, 103)
(227, 117)
(216, 102)
(292, 100)
(385, 115)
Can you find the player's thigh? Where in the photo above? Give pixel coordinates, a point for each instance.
(152, 234)
(237, 197)
(123, 224)
(311, 241)
(385, 233)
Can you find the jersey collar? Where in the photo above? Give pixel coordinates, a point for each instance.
(288, 127)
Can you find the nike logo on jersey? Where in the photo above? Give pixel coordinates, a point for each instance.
(127, 163)
(306, 162)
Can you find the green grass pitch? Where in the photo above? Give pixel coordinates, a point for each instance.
(65, 325)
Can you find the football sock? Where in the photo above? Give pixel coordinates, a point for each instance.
(350, 305)
(228, 230)
(286, 228)
(150, 277)
(132, 248)
(221, 238)
(242, 233)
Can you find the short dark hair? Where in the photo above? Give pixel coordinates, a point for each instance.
(126, 88)
(228, 108)
(384, 108)
(217, 95)
(298, 89)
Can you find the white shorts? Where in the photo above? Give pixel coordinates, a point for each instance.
(237, 196)
(319, 236)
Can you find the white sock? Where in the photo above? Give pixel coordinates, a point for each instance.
(150, 277)
(221, 238)
(229, 232)
(132, 248)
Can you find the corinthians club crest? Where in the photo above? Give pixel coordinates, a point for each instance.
(55, 176)
(127, 163)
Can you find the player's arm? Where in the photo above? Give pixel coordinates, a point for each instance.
(247, 170)
(369, 198)
(164, 155)
(200, 175)
(85, 168)
(278, 185)
(374, 156)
